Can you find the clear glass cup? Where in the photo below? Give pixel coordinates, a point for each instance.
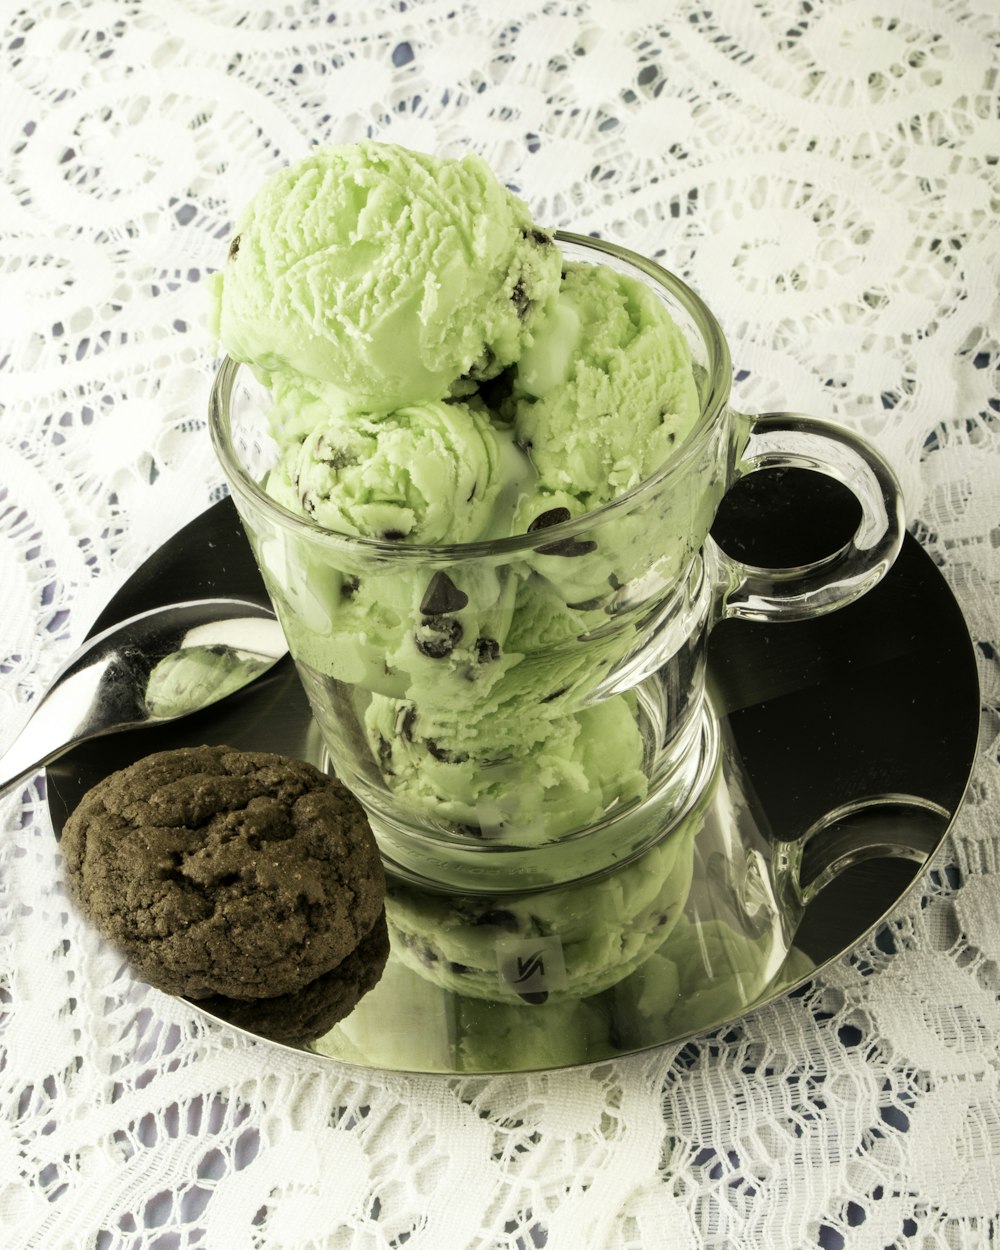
(532, 710)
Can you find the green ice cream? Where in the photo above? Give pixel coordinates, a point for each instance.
(441, 376)
(192, 678)
(521, 780)
(382, 277)
(406, 1025)
(605, 391)
(433, 472)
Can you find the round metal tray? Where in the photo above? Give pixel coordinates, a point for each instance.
(878, 699)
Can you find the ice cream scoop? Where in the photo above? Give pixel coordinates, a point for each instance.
(605, 391)
(383, 277)
(432, 472)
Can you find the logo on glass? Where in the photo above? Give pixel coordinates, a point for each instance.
(532, 967)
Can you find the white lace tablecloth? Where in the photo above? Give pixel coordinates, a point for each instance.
(825, 173)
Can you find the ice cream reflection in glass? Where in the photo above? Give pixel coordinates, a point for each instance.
(478, 463)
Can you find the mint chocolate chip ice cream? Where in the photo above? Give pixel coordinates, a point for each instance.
(381, 277)
(604, 392)
(432, 472)
(503, 777)
(452, 396)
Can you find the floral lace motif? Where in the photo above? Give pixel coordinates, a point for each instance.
(824, 172)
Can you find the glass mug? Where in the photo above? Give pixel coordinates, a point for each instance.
(527, 711)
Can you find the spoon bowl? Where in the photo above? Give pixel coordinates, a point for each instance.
(153, 667)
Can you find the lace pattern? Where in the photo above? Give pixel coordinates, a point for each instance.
(824, 172)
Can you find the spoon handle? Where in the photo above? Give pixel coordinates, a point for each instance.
(65, 715)
(154, 667)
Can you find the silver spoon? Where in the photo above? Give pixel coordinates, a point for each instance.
(151, 668)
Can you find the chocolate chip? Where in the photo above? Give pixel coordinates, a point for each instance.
(569, 547)
(335, 458)
(446, 633)
(473, 831)
(405, 729)
(554, 695)
(487, 650)
(520, 299)
(234, 248)
(445, 756)
(498, 918)
(349, 586)
(384, 753)
(539, 237)
(566, 546)
(442, 595)
(393, 536)
(554, 516)
(495, 392)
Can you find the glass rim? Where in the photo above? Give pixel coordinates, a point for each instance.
(719, 383)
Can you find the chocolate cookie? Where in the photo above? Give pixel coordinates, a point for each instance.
(217, 871)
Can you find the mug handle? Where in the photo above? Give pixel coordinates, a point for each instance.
(784, 440)
(879, 826)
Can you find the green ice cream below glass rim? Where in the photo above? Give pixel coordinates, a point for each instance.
(530, 708)
(711, 376)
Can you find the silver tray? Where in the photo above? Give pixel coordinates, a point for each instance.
(879, 698)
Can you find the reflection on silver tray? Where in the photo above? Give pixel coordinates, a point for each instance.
(824, 723)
